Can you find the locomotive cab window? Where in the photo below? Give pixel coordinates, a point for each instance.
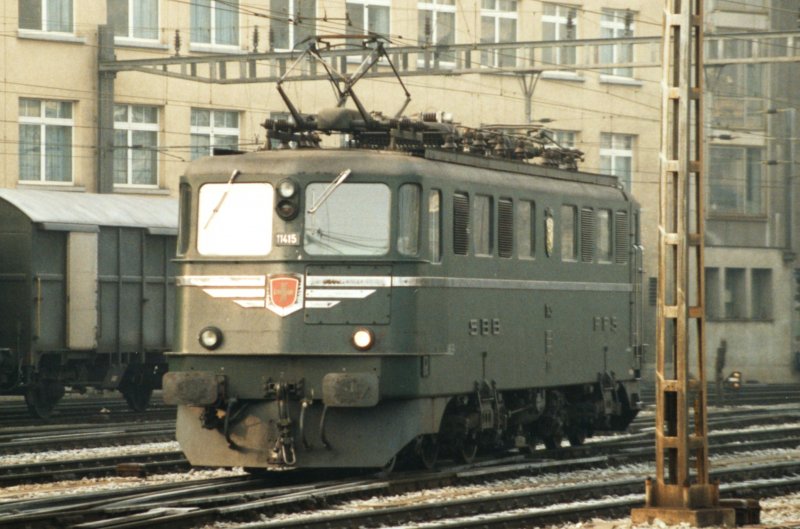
(483, 231)
(526, 232)
(235, 219)
(435, 225)
(604, 254)
(351, 220)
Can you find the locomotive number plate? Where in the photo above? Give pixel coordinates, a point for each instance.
(287, 239)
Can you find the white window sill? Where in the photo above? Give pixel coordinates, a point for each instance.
(129, 189)
(49, 36)
(563, 75)
(616, 79)
(215, 48)
(129, 42)
(51, 186)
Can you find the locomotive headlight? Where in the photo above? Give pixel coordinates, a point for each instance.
(287, 188)
(363, 339)
(288, 200)
(210, 338)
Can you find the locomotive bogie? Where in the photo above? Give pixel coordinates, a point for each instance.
(460, 307)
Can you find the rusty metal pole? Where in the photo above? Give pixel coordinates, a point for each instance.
(681, 491)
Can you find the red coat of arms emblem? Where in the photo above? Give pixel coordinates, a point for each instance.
(284, 293)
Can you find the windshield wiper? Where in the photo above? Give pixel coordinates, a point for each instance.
(330, 189)
(234, 174)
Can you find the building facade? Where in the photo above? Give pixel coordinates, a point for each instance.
(588, 78)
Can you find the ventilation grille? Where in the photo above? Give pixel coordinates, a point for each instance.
(621, 237)
(587, 235)
(460, 224)
(505, 226)
(652, 291)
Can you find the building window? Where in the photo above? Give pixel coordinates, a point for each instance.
(616, 157)
(734, 176)
(564, 138)
(135, 19)
(292, 22)
(215, 22)
(617, 24)
(45, 140)
(135, 145)
(368, 16)
(735, 300)
(437, 26)
(499, 24)
(484, 245)
(712, 293)
(526, 229)
(569, 233)
(761, 293)
(435, 225)
(408, 227)
(559, 23)
(213, 129)
(46, 15)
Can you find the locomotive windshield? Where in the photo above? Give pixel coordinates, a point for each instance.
(352, 220)
(232, 219)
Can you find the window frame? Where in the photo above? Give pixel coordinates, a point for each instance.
(436, 8)
(612, 26)
(614, 154)
(499, 57)
(291, 29)
(560, 21)
(43, 122)
(129, 127)
(211, 130)
(212, 29)
(130, 33)
(43, 19)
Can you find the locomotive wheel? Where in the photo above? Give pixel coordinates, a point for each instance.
(427, 451)
(137, 396)
(467, 449)
(42, 397)
(552, 442)
(577, 438)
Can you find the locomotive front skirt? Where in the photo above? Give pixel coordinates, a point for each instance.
(350, 308)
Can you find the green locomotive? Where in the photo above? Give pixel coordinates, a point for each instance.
(425, 291)
(337, 307)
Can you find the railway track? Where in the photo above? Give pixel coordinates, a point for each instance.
(240, 498)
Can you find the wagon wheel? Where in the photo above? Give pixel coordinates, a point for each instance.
(137, 396)
(427, 451)
(42, 397)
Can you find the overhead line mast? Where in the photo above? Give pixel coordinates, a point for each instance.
(681, 491)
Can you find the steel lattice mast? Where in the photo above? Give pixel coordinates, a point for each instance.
(681, 491)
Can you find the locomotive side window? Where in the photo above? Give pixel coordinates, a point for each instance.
(526, 229)
(435, 225)
(460, 223)
(604, 235)
(483, 231)
(587, 235)
(569, 235)
(235, 219)
(621, 237)
(505, 227)
(353, 220)
(408, 229)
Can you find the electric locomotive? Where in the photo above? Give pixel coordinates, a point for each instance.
(426, 291)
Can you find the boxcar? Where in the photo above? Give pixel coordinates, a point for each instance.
(86, 293)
